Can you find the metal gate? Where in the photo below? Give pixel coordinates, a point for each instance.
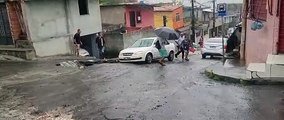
(5, 31)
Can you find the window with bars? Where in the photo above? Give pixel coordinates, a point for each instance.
(258, 10)
(177, 17)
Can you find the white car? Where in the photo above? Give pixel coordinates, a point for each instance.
(144, 50)
(213, 47)
(83, 53)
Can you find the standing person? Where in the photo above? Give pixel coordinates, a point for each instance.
(201, 41)
(77, 41)
(101, 45)
(160, 45)
(180, 47)
(186, 45)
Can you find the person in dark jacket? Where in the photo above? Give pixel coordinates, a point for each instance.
(101, 45)
(77, 42)
(186, 44)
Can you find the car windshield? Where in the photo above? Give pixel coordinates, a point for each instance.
(143, 43)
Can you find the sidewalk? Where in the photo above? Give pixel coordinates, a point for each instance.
(234, 71)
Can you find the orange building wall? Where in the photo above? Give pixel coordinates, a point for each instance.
(180, 23)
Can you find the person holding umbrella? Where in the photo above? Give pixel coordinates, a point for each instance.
(160, 45)
(164, 34)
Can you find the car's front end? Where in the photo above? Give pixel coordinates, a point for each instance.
(131, 56)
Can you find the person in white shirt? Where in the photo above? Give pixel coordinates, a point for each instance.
(180, 47)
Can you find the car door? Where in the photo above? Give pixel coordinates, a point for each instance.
(155, 51)
(168, 47)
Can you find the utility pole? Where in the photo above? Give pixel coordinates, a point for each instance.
(192, 22)
(214, 18)
(244, 29)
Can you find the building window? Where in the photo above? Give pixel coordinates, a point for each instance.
(258, 10)
(177, 17)
(83, 7)
(138, 15)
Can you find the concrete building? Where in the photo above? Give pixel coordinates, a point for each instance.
(125, 23)
(264, 38)
(269, 39)
(198, 14)
(49, 25)
(133, 16)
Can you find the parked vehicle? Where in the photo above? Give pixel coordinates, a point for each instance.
(144, 50)
(83, 53)
(213, 47)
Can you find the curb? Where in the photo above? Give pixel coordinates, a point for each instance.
(210, 74)
(98, 61)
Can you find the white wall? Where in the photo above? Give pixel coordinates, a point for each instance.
(48, 27)
(47, 23)
(89, 24)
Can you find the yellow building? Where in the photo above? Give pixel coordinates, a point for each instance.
(163, 19)
(168, 16)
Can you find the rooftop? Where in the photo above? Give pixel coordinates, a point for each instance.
(125, 4)
(167, 8)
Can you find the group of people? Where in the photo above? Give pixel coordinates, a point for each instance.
(99, 40)
(184, 45)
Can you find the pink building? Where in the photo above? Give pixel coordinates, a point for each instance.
(133, 16)
(270, 38)
(139, 16)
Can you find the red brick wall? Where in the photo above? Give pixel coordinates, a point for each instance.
(14, 20)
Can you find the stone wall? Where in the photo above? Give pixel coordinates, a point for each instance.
(115, 41)
(131, 37)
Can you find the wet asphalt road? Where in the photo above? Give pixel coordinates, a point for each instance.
(178, 91)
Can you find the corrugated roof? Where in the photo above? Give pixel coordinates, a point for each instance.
(167, 8)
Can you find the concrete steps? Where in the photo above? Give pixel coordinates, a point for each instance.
(25, 53)
(273, 69)
(23, 49)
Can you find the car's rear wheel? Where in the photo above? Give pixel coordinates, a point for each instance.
(203, 56)
(171, 56)
(149, 58)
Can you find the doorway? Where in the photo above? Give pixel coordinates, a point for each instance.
(132, 18)
(5, 31)
(164, 21)
(281, 30)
